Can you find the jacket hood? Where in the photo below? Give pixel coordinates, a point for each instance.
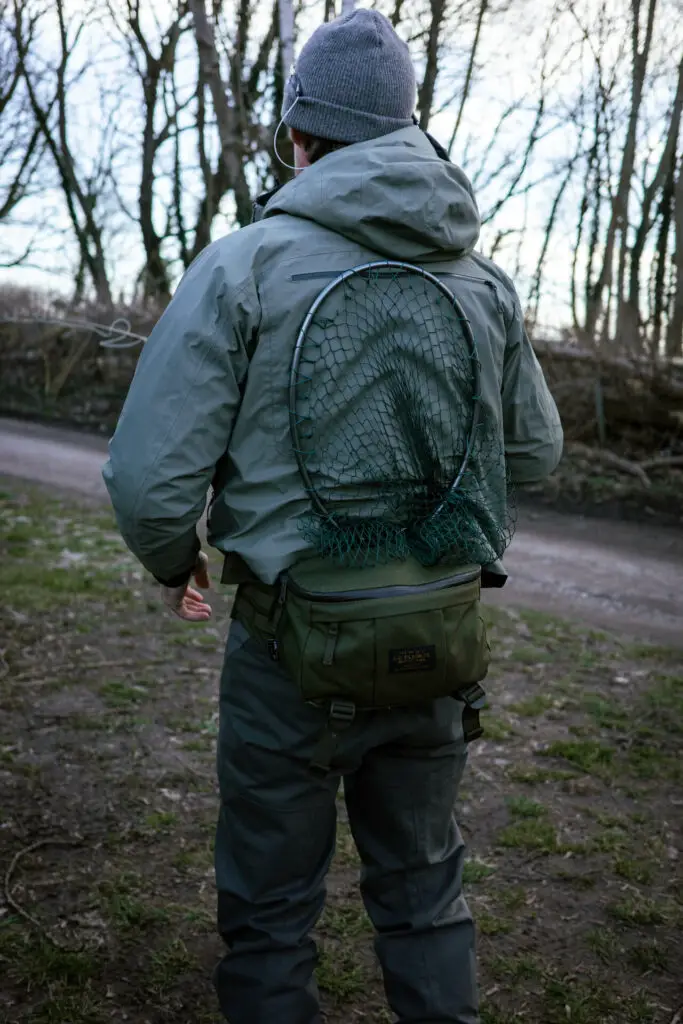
(393, 195)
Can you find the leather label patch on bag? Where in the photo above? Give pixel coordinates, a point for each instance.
(412, 659)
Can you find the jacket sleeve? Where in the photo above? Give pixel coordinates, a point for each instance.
(532, 427)
(178, 417)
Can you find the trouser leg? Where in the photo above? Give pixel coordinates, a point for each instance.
(274, 841)
(401, 810)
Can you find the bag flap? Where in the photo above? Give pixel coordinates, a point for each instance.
(321, 576)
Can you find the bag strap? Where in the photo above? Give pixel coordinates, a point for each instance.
(340, 717)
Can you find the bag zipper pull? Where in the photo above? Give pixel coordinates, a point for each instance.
(330, 643)
(279, 604)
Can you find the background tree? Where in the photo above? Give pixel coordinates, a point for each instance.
(575, 152)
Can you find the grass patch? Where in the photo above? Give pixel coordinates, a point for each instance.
(652, 652)
(529, 834)
(496, 730)
(567, 999)
(167, 965)
(514, 969)
(606, 714)
(523, 807)
(340, 975)
(492, 924)
(648, 762)
(637, 871)
(346, 922)
(124, 908)
(126, 912)
(189, 860)
(161, 821)
(666, 697)
(513, 898)
(530, 775)
(120, 695)
(346, 852)
(476, 871)
(609, 841)
(649, 956)
(196, 746)
(37, 963)
(637, 911)
(82, 1007)
(590, 756)
(528, 655)
(604, 943)
(533, 707)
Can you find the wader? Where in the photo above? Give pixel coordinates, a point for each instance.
(400, 770)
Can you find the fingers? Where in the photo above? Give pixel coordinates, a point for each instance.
(187, 603)
(193, 611)
(201, 571)
(193, 607)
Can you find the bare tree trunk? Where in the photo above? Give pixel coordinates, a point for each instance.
(156, 284)
(591, 165)
(330, 10)
(208, 204)
(464, 96)
(286, 36)
(674, 336)
(427, 89)
(535, 296)
(153, 71)
(232, 145)
(619, 216)
(20, 137)
(397, 13)
(180, 226)
(659, 291)
(629, 317)
(79, 198)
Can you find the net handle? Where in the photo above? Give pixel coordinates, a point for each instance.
(296, 379)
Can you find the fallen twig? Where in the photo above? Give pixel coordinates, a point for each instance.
(9, 899)
(658, 374)
(662, 463)
(610, 459)
(193, 771)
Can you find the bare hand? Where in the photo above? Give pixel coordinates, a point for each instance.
(186, 602)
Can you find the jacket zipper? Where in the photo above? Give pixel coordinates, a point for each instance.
(407, 590)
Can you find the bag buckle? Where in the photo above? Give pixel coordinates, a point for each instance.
(274, 650)
(474, 699)
(473, 696)
(342, 713)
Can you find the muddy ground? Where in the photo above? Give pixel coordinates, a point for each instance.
(572, 805)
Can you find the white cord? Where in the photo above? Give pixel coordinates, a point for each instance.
(290, 167)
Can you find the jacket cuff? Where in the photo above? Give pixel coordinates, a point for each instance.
(181, 578)
(176, 581)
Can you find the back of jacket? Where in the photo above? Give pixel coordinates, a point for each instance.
(209, 402)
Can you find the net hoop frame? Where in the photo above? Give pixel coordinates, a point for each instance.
(296, 379)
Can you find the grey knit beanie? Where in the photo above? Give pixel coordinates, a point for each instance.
(354, 81)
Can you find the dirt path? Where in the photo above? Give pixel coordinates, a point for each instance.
(619, 575)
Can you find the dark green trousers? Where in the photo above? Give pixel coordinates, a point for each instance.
(276, 833)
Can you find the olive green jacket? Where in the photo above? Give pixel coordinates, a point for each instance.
(208, 404)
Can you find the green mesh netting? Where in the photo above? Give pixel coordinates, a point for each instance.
(398, 449)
